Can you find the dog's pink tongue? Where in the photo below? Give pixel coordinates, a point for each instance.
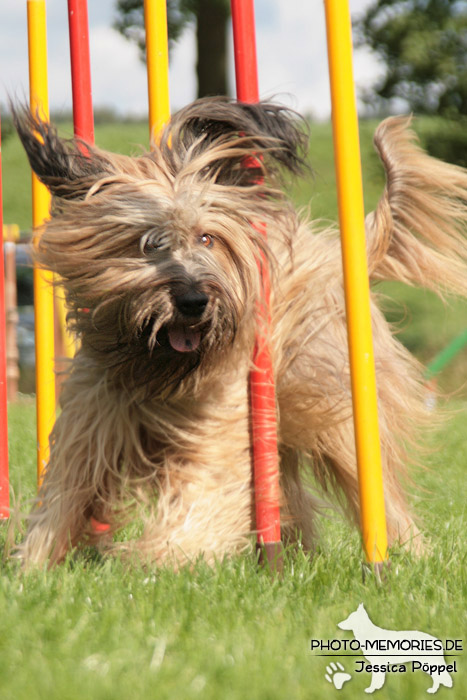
(184, 339)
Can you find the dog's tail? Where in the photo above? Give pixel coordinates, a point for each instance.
(417, 234)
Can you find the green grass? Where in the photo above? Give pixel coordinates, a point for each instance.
(101, 630)
(426, 324)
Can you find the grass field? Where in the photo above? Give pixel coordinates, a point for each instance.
(95, 629)
(100, 630)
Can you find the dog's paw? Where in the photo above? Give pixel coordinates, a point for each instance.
(336, 675)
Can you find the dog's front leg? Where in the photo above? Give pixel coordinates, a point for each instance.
(203, 508)
(59, 517)
(377, 681)
(85, 449)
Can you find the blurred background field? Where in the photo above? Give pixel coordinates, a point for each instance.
(424, 322)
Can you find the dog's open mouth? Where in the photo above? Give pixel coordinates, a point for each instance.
(180, 338)
(183, 339)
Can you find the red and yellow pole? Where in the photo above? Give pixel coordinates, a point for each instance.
(157, 59)
(83, 115)
(356, 283)
(262, 388)
(43, 290)
(83, 122)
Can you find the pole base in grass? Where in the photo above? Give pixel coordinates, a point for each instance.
(271, 554)
(377, 569)
(98, 527)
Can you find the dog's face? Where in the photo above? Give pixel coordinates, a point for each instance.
(159, 276)
(174, 280)
(158, 254)
(356, 618)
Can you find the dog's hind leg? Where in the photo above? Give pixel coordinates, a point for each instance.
(315, 408)
(335, 467)
(440, 678)
(330, 454)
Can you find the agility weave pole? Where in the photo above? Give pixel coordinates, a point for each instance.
(83, 116)
(262, 389)
(356, 282)
(43, 290)
(4, 475)
(83, 113)
(83, 121)
(157, 62)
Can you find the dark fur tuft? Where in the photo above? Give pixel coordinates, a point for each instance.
(271, 132)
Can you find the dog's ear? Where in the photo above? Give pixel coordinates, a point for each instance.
(272, 132)
(68, 167)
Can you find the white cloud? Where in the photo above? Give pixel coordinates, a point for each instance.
(182, 75)
(292, 56)
(122, 83)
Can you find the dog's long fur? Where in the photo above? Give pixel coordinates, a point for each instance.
(158, 256)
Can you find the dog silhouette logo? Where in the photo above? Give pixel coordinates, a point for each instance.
(385, 650)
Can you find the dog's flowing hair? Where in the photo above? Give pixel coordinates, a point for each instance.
(159, 258)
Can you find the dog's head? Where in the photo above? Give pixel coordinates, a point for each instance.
(159, 254)
(355, 620)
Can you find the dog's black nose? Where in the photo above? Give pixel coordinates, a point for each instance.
(191, 303)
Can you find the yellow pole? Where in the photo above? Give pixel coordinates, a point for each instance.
(357, 294)
(43, 291)
(157, 58)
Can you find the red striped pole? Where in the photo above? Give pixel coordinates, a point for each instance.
(83, 114)
(83, 117)
(246, 73)
(262, 390)
(4, 477)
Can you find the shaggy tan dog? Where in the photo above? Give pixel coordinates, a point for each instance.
(158, 256)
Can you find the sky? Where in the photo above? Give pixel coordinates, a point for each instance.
(291, 49)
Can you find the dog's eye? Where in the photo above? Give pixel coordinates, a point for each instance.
(151, 244)
(206, 240)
